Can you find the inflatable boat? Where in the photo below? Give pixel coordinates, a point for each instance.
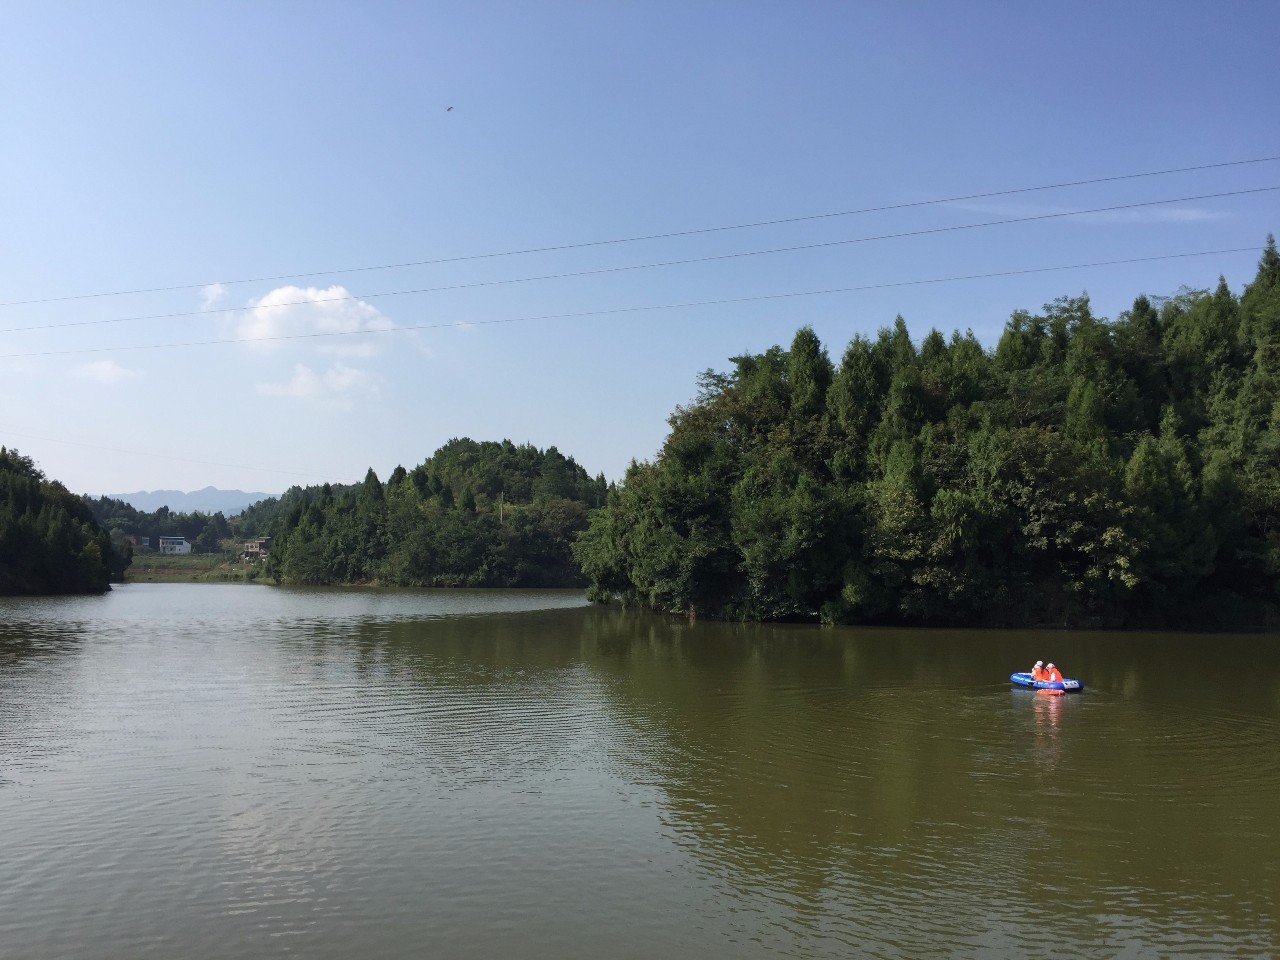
(1063, 686)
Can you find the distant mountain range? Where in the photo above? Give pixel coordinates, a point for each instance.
(208, 500)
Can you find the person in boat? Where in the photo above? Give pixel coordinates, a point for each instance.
(1052, 674)
(1038, 671)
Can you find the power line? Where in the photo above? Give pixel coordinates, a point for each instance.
(647, 266)
(152, 453)
(624, 310)
(656, 236)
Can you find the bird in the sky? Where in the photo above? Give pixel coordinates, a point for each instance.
(447, 109)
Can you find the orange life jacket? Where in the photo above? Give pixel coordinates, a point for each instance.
(1037, 673)
(1054, 675)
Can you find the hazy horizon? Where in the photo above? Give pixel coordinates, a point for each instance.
(207, 499)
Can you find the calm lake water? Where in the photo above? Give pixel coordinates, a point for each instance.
(250, 772)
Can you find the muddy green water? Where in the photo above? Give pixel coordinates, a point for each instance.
(251, 772)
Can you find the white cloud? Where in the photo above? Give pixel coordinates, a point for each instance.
(420, 345)
(211, 295)
(1153, 214)
(301, 313)
(334, 386)
(104, 371)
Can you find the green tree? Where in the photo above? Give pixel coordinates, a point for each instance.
(1082, 472)
(50, 542)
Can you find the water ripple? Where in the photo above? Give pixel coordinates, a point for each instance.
(329, 774)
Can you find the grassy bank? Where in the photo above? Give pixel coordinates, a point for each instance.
(193, 568)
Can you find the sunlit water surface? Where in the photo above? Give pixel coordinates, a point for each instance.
(250, 772)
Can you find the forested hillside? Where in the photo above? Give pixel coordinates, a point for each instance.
(49, 541)
(260, 519)
(472, 514)
(1120, 473)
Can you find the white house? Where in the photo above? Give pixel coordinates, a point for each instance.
(174, 545)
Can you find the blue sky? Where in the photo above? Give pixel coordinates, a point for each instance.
(196, 145)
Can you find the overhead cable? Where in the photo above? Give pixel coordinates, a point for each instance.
(624, 310)
(656, 236)
(4, 428)
(645, 266)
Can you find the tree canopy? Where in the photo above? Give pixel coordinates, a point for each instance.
(49, 540)
(472, 514)
(1082, 471)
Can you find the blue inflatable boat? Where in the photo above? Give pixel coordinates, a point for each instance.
(1065, 686)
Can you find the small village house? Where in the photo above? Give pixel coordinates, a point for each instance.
(256, 549)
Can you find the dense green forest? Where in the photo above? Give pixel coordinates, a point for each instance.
(260, 519)
(472, 514)
(49, 540)
(1083, 472)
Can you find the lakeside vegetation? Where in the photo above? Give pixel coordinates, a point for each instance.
(472, 514)
(49, 540)
(223, 567)
(1082, 472)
